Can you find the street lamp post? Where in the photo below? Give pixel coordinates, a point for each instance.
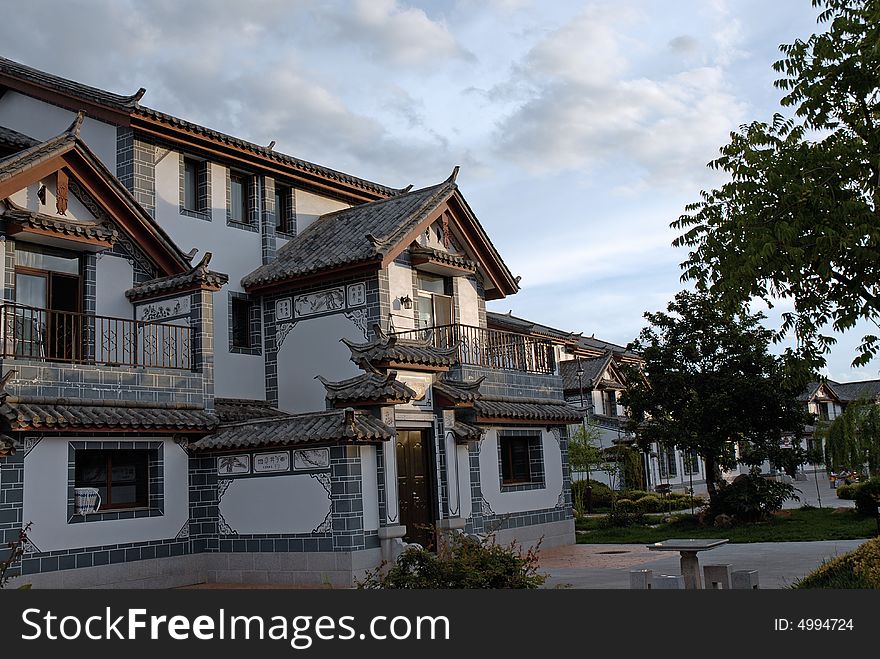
(589, 488)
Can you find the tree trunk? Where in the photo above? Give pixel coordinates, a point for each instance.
(711, 477)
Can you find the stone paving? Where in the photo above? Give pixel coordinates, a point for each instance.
(608, 566)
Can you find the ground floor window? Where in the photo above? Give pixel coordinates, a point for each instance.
(691, 462)
(667, 462)
(521, 457)
(121, 476)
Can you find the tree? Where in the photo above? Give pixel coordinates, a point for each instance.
(852, 440)
(711, 385)
(799, 217)
(584, 455)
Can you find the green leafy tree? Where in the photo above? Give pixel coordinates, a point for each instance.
(799, 217)
(852, 440)
(584, 456)
(710, 384)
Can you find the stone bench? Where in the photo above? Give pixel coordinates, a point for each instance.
(745, 579)
(717, 577)
(667, 582)
(640, 579)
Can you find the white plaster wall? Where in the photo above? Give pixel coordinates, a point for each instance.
(27, 198)
(464, 481)
(400, 284)
(45, 502)
(468, 303)
(313, 347)
(275, 504)
(369, 487)
(114, 276)
(42, 121)
(236, 252)
(515, 502)
(309, 207)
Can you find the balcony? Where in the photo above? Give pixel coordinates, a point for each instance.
(489, 348)
(29, 333)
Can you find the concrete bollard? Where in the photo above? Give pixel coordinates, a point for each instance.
(667, 582)
(745, 579)
(640, 579)
(717, 577)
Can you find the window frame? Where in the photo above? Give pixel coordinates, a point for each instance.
(283, 209)
(246, 307)
(534, 460)
(141, 482)
(246, 182)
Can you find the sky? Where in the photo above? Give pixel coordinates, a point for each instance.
(582, 128)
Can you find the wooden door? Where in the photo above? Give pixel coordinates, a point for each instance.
(414, 487)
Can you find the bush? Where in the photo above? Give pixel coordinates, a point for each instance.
(650, 503)
(859, 568)
(618, 518)
(627, 506)
(634, 495)
(601, 493)
(462, 562)
(751, 497)
(847, 491)
(867, 496)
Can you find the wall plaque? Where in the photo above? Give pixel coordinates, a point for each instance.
(311, 304)
(233, 464)
(314, 458)
(271, 462)
(164, 309)
(357, 294)
(284, 309)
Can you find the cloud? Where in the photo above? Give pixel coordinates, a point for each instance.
(684, 44)
(585, 104)
(393, 34)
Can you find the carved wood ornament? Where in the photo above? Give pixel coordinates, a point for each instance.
(445, 222)
(61, 192)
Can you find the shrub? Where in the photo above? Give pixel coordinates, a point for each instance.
(859, 568)
(634, 495)
(462, 562)
(751, 497)
(650, 503)
(601, 493)
(618, 518)
(627, 506)
(847, 491)
(867, 496)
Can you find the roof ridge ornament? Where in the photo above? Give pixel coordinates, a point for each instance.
(73, 129)
(453, 176)
(137, 96)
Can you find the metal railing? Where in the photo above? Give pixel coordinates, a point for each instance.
(78, 338)
(489, 348)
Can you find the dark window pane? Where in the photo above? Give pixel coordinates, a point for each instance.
(190, 185)
(241, 330)
(282, 208)
(239, 210)
(121, 477)
(515, 467)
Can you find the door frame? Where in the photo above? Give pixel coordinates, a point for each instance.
(431, 466)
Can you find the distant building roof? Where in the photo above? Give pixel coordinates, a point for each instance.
(851, 391)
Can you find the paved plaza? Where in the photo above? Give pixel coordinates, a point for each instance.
(608, 566)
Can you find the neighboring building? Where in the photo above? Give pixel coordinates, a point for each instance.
(597, 393)
(336, 391)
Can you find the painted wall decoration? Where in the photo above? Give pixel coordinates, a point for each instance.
(311, 304)
(271, 462)
(361, 319)
(242, 509)
(357, 294)
(164, 309)
(314, 458)
(284, 309)
(233, 464)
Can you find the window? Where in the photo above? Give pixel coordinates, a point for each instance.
(823, 412)
(609, 400)
(283, 218)
(434, 300)
(691, 462)
(667, 462)
(120, 476)
(239, 197)
(191, 184)
(241, 323)
(515, 463)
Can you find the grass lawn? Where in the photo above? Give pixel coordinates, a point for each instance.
(789, 526)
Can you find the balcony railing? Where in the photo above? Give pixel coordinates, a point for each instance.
(489, 348)
(77, 338)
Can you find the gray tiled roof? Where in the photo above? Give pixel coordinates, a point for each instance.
(49, 414)
(458, 391)
(199, 276)
(593, 369)
(386, 349)
(851, 391)
(13, 139)
(334, 426)
(527, 409)
(439, 256)
(59, 224)
(131, 105)
(244, 409)
(368, 388)
(42, 151)
(358, 235)
(513, 323)
(464, 432)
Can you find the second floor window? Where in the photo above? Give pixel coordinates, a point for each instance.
(824, 414)
(239, 201)
(609, 400)
(241, 323)
(283, 213)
